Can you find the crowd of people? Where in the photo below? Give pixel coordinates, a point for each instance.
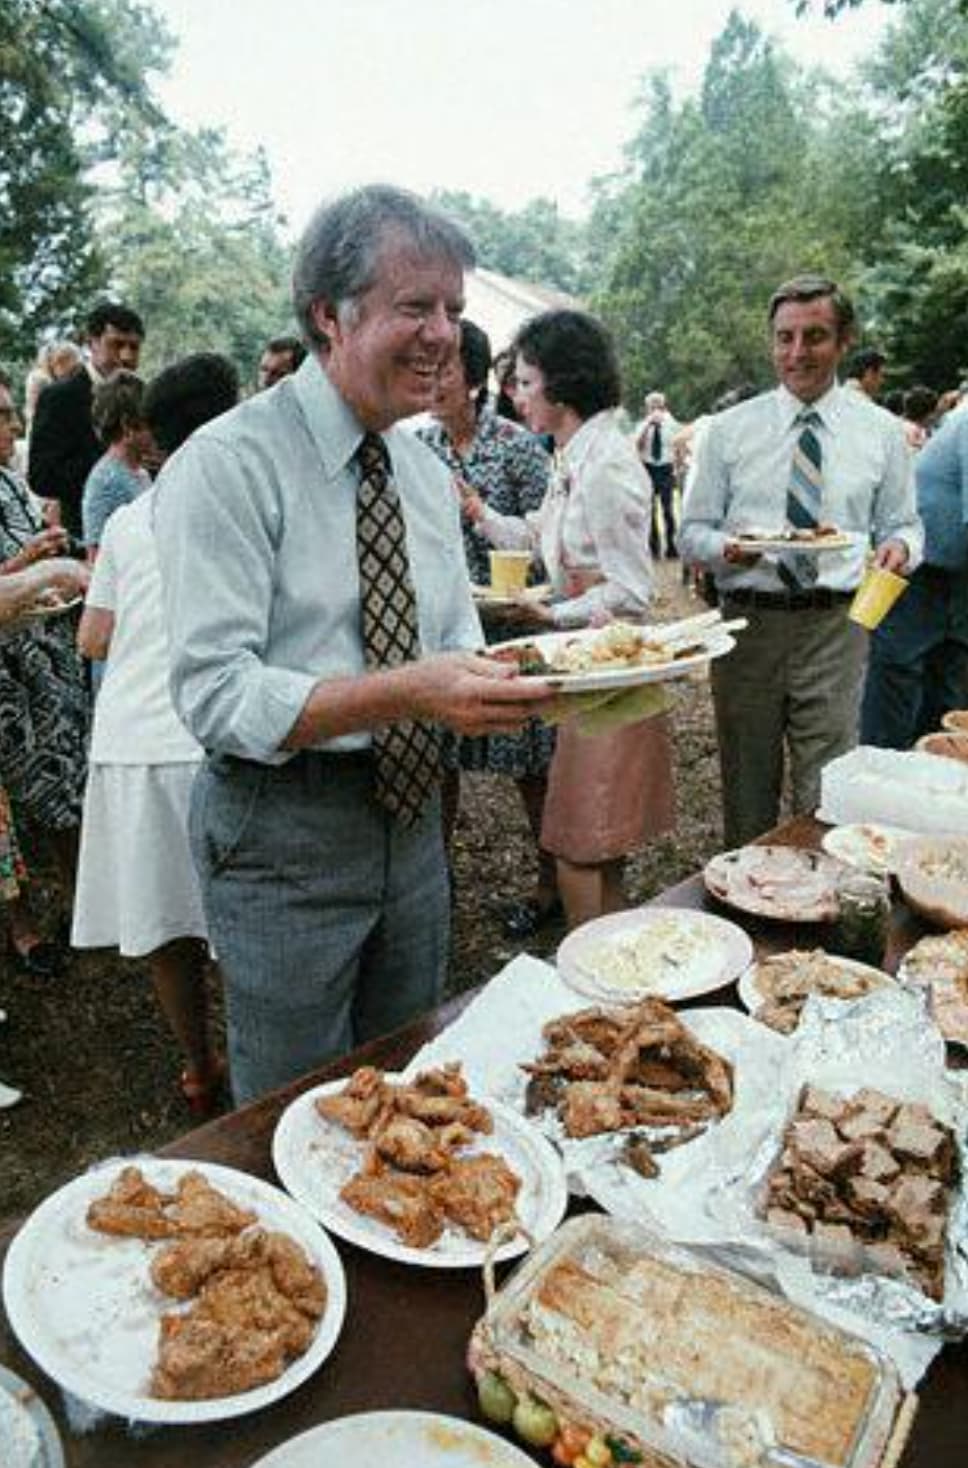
(249, 744)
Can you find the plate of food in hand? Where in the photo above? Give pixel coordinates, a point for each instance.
(776, 988)
(397, 1440)
(619, 655)
(814, 539)
(871, 848)
(938, 964)
(486, 597)
(782, 882)
(669, 952)
(167, 1291)
(52, 604)
(418, 1170)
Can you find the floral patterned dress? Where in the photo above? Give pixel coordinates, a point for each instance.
(509, 469)
(13, 873)
(43, 703)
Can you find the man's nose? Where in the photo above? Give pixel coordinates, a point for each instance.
(440, 326)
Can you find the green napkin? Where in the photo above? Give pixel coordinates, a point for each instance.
(603, 711)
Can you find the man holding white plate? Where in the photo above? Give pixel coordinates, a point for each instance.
(808, 457)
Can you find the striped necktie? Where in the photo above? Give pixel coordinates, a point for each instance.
(804, 499)
(407, 754)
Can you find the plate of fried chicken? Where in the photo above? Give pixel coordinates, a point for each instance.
(163, 1291)
(417, 1169)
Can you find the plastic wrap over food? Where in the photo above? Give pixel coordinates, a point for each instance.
(920, 792)
(884, 1041)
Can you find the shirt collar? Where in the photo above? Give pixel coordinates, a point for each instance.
(336, 431)
(582, 441)
(827, 408)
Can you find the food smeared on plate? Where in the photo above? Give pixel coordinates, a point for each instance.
(636, 1070)
(939, 964)
(256, 1298)
(795, 534)
(784, 981)
(619, 645)
(416, 1176)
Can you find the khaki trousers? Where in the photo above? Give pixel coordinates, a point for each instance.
(789, 691)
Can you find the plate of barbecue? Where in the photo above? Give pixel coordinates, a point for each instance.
(166, 1291)
(782, 882)
(813, 539)
(621, 654)
(418, 1170)
(776, 988)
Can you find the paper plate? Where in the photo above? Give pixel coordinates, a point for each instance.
(872, 848)
(782, 882)
(772, 542)
(82, 1304)
(753, 997)
(666, 952)
(314, 1157)
(42, 611)
(604, 678)
(932, 872)
(26, 1426)
(484, 597)
(397, 1440)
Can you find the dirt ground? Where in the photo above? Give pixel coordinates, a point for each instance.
(95, 1062)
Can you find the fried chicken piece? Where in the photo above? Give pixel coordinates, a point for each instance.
(198, 1358)
(182, 1267)
(579, 1061)
(201, 1209)
(443, 1110)
(477, 1193)
(131, 1208)
(444, 1080)
(411, 1145)
(591, 1107)
(400, 1200)
(365, 1100)
(594, 1027)
(295, 1275)
(644, 1106)
(248, 1301)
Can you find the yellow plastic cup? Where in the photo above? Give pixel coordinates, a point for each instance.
(875, 596)
(509, 571)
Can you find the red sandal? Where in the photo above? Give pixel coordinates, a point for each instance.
(203, 1092)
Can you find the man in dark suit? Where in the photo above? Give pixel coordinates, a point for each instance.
(63, 444)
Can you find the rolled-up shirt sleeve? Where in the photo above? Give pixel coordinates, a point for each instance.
(895, 515)
(216, 535)
(701, 536)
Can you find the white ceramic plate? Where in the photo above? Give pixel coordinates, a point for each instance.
(685, 953)
(872, 848)
(771, 542)
(752, 996)
(38, 1423)
(397, 1440)
(602, 679)
(939, 895)
(82, 1304)
(314, 1157)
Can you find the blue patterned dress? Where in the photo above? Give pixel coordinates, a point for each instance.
(509, 469)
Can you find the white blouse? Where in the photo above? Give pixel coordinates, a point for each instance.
(592, 528)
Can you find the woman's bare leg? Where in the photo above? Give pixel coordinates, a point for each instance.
(590, 891)
(533, 789)
(178, 974)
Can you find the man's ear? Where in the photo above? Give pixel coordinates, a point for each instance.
(326, 319)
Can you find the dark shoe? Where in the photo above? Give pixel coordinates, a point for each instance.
(525, 917)
(43, 959)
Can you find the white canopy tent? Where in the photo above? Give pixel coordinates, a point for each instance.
(499, 304)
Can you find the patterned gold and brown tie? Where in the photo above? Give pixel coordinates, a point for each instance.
(407, 753)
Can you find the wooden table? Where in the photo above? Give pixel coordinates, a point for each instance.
(406, 1329)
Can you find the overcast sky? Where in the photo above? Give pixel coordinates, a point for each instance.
(508, 99)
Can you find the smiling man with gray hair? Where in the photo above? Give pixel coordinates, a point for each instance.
(320, 623)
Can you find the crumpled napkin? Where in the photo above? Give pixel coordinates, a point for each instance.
(602, 711)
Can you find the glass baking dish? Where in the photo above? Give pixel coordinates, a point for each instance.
(676, 1362)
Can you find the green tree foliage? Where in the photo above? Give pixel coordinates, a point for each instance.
(67, 74)
(536, 243)
(718, 207)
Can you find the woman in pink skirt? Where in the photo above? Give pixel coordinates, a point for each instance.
(609, 793)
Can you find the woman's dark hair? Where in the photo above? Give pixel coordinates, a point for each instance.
(893, 401)
(576, 357)
(475, 356)
(117, 404)
(187, 394)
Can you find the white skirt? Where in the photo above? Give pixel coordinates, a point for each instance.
(136, 882)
